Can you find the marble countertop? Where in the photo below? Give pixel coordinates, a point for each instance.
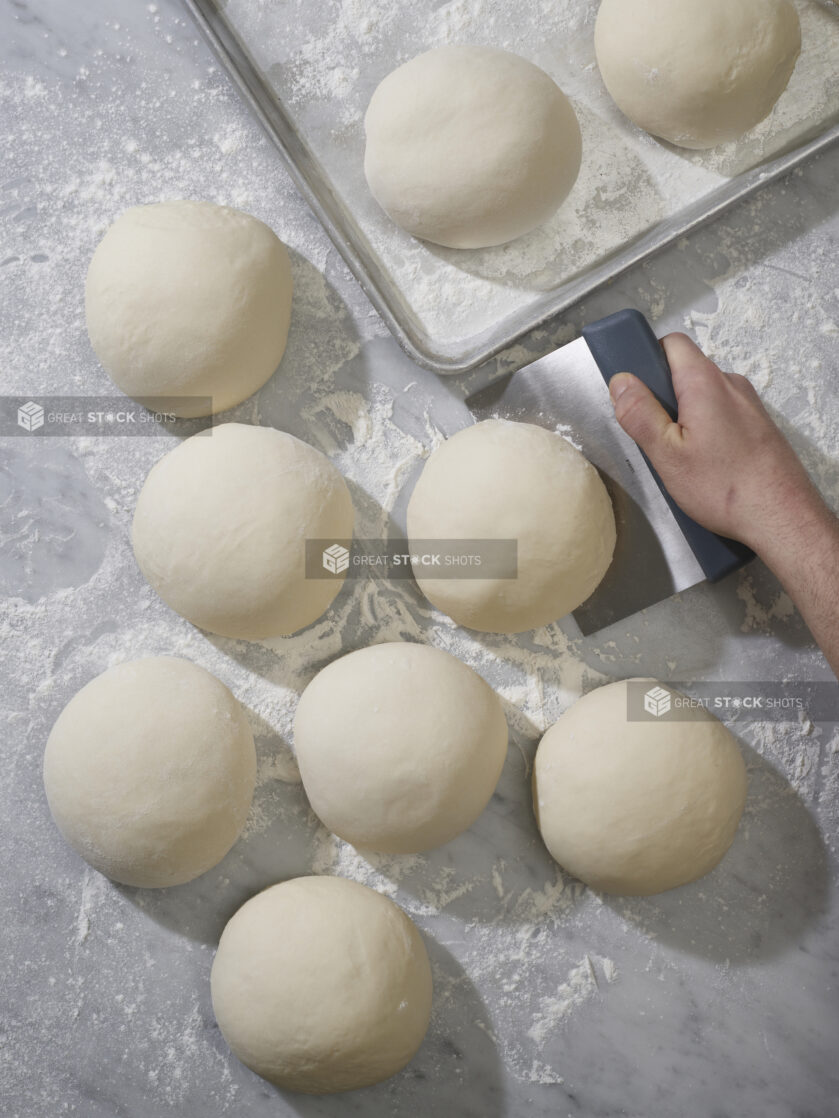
(716, 999)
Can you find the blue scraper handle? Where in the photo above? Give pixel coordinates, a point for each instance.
(625, 343)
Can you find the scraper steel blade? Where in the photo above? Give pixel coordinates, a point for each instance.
(565, 391)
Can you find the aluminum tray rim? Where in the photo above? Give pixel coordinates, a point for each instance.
(353, 247)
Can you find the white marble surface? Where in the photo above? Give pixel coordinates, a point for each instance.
(716, 999)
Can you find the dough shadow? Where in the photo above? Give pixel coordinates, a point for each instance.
(374, 380)
(357, 609)
(589, 649)
(554, 252)
(318, 317)
(321, 339)
(457, 1070)
(770, 138)
(284, 847)
(646, 638)
(680, 279)
(321, 329)
(639, 640)
(717, 616)
(770, 887)
(497, 871)
(275, 844)
(283, 838)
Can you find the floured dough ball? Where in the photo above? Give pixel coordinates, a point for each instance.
(320, 985)
(400, 746)
(189, 299)
(500, 480)
(637, 807)
(149, 771)
(470, 146)
(696, 72)
(221, 526)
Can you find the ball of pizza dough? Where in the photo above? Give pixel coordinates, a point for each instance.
(696, 72)
(320, 984)
(470, 146)
(149, 771)
(189, 299)
(503, 480)
(221, 525)
(637, 807)
(400, 746)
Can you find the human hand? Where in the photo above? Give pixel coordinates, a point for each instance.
(730, 468)
(724, 462)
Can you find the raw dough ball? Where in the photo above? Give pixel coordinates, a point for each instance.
(320, 984)
(636, 807)
(502, 480)
(149, 771)
(221, 525)
(189, 299)
(470, 146)
(399, 746)
(696, 72)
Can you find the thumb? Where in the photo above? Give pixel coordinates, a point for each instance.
(639, 413)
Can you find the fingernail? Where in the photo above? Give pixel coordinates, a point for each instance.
(618, 385)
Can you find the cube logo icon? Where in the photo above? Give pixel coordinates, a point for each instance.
(30, 417)
(336, 559)
(657, 701)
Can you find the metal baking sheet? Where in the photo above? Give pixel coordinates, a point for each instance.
(308, 70)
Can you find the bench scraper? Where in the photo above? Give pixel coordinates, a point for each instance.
(659, 549)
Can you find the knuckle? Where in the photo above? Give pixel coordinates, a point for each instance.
(630, 409)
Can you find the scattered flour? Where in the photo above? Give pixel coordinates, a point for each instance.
(324, 63)
(526, 950)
